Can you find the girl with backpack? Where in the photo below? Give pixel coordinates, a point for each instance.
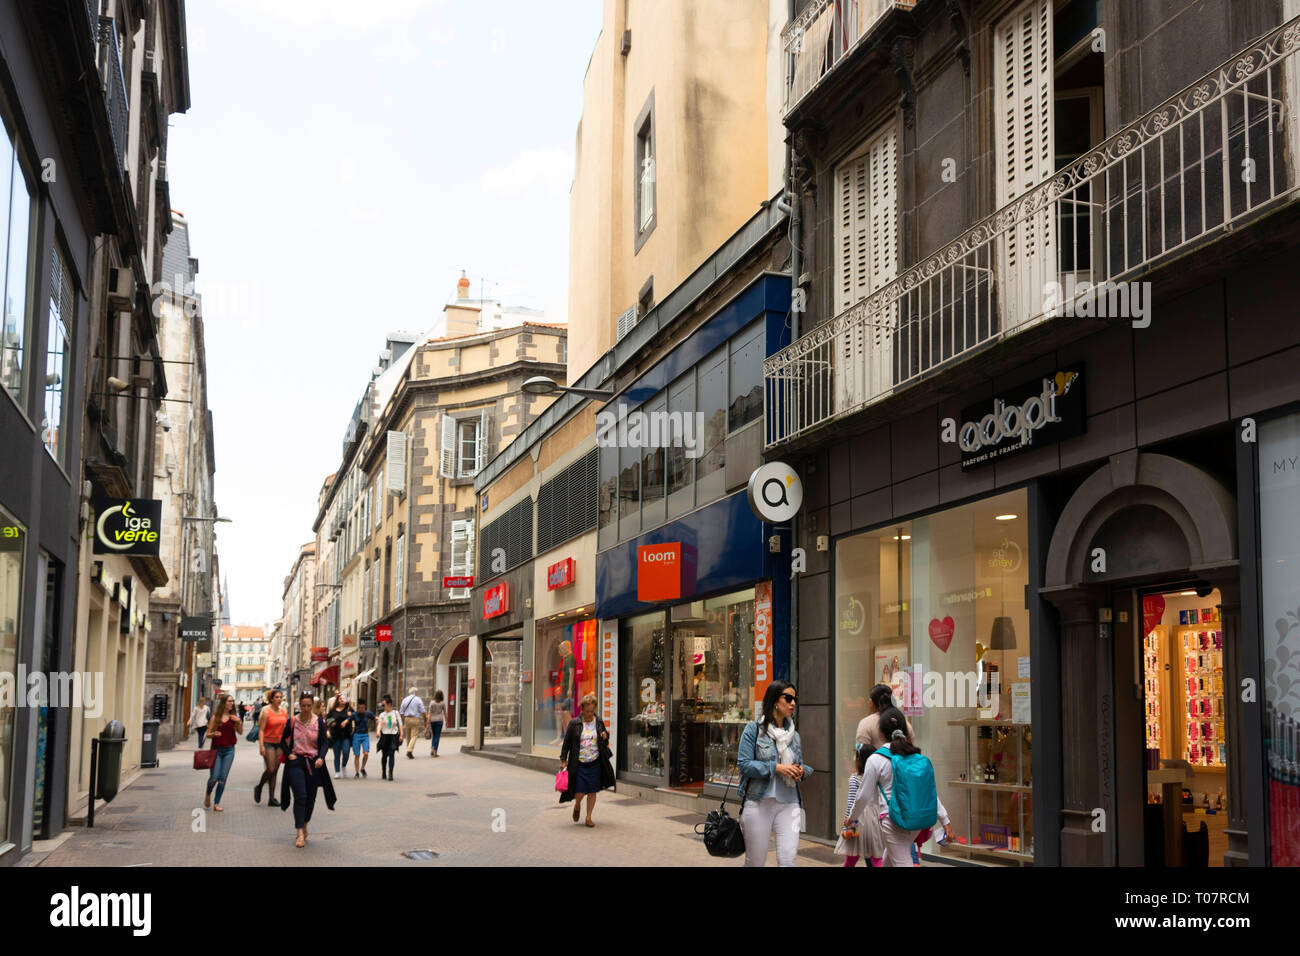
(905, 805)
(770, 758)
(861, 839)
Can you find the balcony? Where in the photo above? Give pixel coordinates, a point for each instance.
(1207, 161)
(114, 86)
(825, 33)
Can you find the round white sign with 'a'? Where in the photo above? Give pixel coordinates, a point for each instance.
(775, 492)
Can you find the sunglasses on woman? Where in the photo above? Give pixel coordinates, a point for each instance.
(790, 698)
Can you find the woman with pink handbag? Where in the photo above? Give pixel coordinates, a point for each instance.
(585, 760)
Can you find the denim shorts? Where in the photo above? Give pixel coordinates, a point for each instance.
(360, 742)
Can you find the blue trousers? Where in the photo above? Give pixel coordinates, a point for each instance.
(220, 771)
(435, 728)
(341, 746)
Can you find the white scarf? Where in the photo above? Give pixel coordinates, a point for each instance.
(782, 737)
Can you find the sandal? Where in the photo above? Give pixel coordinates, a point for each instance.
(590, 824)
(576, 811)
(301, 841)
(218, 809)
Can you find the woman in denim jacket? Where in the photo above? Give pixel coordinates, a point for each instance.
(771, 765)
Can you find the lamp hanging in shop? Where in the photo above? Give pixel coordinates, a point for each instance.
(1003, 637)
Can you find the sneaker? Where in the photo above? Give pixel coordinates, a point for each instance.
(357, 775)
(273, 802)
(257, 793)
(336, 775)
(363, 771)
(410, 756)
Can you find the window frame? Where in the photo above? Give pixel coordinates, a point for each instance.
(18, 171)
(644, 131)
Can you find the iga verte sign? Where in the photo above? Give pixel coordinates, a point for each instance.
(128, 526)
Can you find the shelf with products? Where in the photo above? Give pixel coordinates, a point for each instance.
(998, 789)
(1203, 743)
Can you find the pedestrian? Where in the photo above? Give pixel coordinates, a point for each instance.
(413, 720)
(339, 721)
(305, 739)
(318, 707)
(361, 739)
(586, 755)
(770, 758)
(437, 717)
(880, 699)
(224, 729)
(878, 778)
(271, 721)
(862, 839)
(389, 739)
(199, 717)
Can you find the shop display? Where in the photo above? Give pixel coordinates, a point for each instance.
(1203, 668)
(999, 792)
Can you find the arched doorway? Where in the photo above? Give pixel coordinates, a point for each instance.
(452, 670)
(1141, 527)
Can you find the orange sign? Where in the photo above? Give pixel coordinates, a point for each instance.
(762, 639)
(659, 572)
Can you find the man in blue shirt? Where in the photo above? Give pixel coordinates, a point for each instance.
(413, 720)
(362, 719)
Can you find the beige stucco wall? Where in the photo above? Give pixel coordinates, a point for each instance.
(716, 126)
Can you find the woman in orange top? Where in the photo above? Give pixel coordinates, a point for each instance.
(270, 732)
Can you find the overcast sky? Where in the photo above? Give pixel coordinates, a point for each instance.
(337, 175)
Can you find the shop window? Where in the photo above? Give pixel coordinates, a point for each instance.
(746, 381)
(1279, 544)
(681, 467)
(935, 608)
(652, 472)
(16, 227)
(643, 658)
(566, 667)
(13, 537)
(58, 358)
(710, 475)
(607, 535)
(629, 492)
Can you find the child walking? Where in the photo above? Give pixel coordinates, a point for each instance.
(861, 838)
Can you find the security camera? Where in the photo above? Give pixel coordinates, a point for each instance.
(164, 420)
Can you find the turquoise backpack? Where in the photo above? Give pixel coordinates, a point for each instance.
(914, 804)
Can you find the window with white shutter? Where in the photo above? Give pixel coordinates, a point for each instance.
(481, 457)
(447, 457)
(1022, 107)
(866, 253)
(399, 570)
(396, 462)
(462, 553)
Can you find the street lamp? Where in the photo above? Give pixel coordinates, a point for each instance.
(541, 385)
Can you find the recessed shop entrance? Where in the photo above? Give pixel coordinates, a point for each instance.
(1171, 734)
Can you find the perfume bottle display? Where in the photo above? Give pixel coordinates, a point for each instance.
(1203, 668)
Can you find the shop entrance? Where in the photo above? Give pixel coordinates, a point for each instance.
(1171, 741)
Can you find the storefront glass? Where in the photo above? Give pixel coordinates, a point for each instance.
(935, 608)
(564, 669)
(642, 660)
(12, 539)
(712, 687)
(1279, 541)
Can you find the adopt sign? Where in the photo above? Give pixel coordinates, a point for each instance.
(1045, 410)
(128, 526)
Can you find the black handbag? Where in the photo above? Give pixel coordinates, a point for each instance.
(721, 831)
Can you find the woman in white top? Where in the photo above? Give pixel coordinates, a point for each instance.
(878, 776)
(199, 718)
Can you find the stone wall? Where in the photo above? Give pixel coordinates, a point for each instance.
(504, 702)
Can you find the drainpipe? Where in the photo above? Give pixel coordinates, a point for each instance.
(796, 270)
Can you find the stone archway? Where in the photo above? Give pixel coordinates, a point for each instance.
(1154, 517)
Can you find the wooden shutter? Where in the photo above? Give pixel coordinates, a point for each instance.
(447, 460)
(1023, 92)
(395, 462)
(481, 442)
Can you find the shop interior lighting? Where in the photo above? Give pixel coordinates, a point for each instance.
(906, 537)
(1006, 517)
(1187, 594)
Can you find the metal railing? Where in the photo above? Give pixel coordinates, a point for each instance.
(1220, 152)
(823, 34)
(114, 84)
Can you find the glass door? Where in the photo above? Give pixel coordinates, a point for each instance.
(643, 662)
(458, 706)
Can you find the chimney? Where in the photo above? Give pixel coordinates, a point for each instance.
(462, 287)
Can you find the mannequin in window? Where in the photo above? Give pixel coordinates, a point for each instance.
(564, 693)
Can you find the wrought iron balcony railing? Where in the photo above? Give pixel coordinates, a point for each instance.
(823, 34)
(114, 83)
(1218, 154)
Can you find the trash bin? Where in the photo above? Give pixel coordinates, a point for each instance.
(112, 741)
(149, 743)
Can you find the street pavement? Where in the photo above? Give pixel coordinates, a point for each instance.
(469, 810)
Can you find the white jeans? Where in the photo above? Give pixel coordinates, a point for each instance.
(898, 844)
(757, 820)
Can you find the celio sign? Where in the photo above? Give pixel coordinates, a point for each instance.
(1050, 408)
(128, 526)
